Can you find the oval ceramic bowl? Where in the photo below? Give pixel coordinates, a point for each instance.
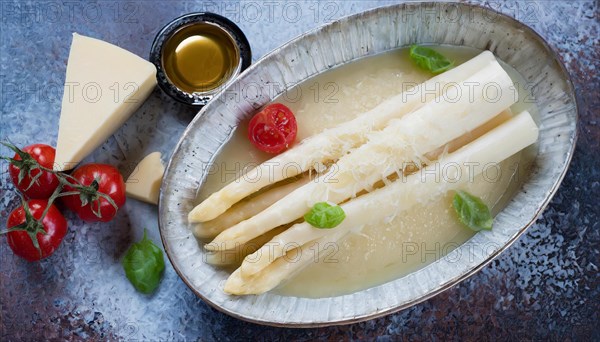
(338, 43)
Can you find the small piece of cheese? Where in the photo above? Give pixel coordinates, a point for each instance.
(144, 182)
(104, 85)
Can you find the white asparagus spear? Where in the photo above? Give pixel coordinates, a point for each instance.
(236, 255)
(449, 173)
(333, 143)
(281, 269)
(246, 209)
(463, 108)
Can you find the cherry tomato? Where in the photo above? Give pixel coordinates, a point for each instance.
(46, 183)
(273, 129)
(96, 178)
(54, 225)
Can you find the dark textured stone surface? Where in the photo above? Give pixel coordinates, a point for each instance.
(544, 287)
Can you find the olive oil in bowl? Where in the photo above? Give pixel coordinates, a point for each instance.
(198, 54)
(200, 58)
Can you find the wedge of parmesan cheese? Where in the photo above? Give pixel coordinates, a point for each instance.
(144, 182)
(104, 85)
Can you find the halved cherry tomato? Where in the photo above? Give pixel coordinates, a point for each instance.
(49, 232)
(273, 129)
(94, 178)
(47, 182)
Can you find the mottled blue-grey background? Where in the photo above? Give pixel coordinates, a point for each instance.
(544, 287)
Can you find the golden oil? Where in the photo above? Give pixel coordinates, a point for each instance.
(200, 58)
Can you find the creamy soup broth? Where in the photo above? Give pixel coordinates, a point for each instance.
(380, 252)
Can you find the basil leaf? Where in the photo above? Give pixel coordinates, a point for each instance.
(324, 215)
(472, 212)
(430, 59)
(143, 264)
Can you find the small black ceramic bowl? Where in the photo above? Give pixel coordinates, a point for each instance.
(229, 36)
